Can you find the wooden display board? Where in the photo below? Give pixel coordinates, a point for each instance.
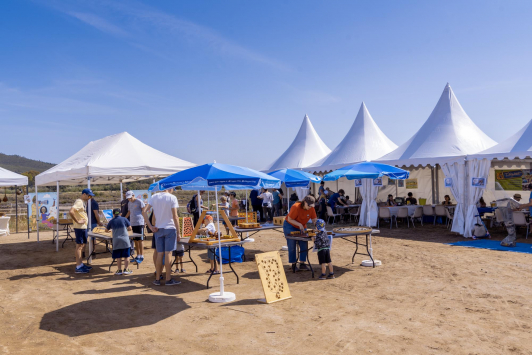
(272, 276)
(101, 230)
(278, 221)
(252, 217)
(210, 241)
(187, 226)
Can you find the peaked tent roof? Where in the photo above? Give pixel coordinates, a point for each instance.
(9, 178)
(306, 149)
(365, 141)
(117, 158)
(448, 132)
(518, 145)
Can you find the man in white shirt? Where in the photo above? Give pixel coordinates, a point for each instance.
(267, 199)
(165, 232)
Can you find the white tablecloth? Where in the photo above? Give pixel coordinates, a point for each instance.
(395, 209)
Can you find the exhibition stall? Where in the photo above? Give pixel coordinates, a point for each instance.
(8, 179)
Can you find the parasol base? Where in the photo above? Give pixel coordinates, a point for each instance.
(284, 247)
(369, 263)
(226, 297)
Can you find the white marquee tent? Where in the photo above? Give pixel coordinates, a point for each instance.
(363, 142)
(306, 149)
(9, 178)
(114, 159)
(444, 140)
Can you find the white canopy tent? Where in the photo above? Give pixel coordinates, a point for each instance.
(447, 137)
(114, 159)
(515, 152)
(306, 149)
(9, 178)
(363, 142)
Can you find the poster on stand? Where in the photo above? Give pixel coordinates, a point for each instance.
(513, 180)
(448, 182)
(45, 205)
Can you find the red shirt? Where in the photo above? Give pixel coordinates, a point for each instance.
(301, 215)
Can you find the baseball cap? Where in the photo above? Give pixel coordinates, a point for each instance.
(320, 224)
(116, 211)
(129, 194)
(88, 192)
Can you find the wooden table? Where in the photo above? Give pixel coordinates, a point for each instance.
(241, 231)
(107, 239)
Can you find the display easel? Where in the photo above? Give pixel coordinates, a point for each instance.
(211, 241)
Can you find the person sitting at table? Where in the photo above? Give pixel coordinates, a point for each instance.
(335, 200)
(481, 203)
(210, 230)
(447, 201)
(297, 219)
(517, 197)
(391, 201)
(411, 200)
(121, 245)
(348, 201)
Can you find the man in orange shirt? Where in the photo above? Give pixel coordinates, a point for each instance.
(297, 219)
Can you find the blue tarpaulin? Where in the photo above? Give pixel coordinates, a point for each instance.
(494, 245)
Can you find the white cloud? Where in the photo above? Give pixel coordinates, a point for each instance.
(99, 23)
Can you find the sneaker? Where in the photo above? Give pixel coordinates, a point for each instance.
(118, 272)
(127, 272)
(157, 283)
(182, 270)
(87, 267)
(139, 260)
(323, 277)
(331, 276)
(303, 267)
(81, 270)
(172, 282)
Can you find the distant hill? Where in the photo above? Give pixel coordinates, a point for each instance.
(20, 164)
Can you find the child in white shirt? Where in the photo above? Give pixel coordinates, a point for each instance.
(210, 231)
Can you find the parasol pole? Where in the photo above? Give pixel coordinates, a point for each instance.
(57, 219)
(37, 210)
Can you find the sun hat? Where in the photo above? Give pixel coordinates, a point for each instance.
(517, 196)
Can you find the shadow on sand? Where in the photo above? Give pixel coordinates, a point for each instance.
(81, 318)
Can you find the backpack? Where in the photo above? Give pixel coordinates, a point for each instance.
(191, 205)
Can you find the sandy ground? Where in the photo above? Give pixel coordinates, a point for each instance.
(427, 298)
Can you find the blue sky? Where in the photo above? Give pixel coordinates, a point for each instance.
(232, 80)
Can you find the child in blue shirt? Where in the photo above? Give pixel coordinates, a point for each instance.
(121, 245)
(323, 244)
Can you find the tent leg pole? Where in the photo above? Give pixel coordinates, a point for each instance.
(37, 210)
(57, 220)
(16, 209)
(121, 192)
(91, 246)
(27, 211)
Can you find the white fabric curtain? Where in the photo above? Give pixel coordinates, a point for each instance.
(301, 192)
(456, 171)
(474, 168)
(368, 211)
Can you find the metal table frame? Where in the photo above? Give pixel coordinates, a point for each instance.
(108, 241)
(68, 229)
(335, 236)
(200, 246)
(241, 231)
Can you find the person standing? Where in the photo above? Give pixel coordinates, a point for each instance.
(121, 245)
(136, 218)
(78, 213)
(195, 204)
(124, 203)
(275, 203)
(256, 204)
(95, 214)
(298, 217)
(166, 232)
(267, 199)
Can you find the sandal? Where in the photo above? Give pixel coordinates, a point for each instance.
(323, 277)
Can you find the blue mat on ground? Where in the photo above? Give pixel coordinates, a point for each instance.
(494, 245)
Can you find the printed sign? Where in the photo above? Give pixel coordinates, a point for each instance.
(513, 180)
(108, 214)
(448, 182)
(411, 184)
(45, 206)
(478, 182)
(400, 183)
(27, 199)
(377, 182)
(358, 182)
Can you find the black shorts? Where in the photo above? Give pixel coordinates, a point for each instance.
(81, 236)
(179, 253)
(324, 256)
(139, 230)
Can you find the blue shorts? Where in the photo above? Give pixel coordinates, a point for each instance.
(165, 240)
(121, 253)
(81, 236)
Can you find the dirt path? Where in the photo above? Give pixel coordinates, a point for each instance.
(427, 298)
